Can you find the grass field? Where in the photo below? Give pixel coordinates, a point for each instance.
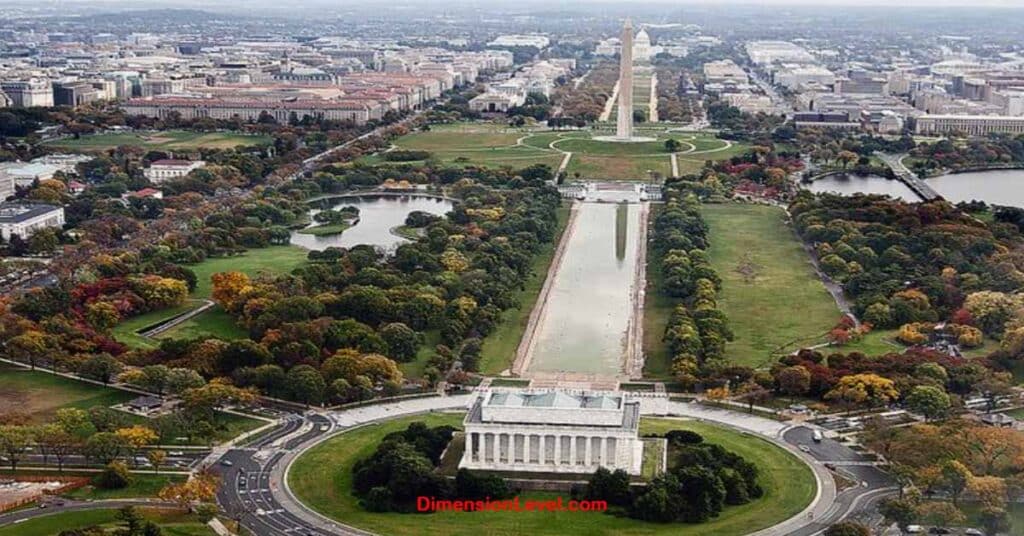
(322, 479)
(273, 260)
(215, 322)
(173, 523)
(496, 145)
(178, 140)
(142, 485)
(40, 394)
(657, 309)
(779, 283)
(499, 347)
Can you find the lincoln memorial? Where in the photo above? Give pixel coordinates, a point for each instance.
(553, 431)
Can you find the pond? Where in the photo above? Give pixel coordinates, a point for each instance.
(588, 313)
(850, 184)
(998, 187)
(378, 215)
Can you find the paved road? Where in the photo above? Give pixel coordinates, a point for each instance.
(255, 493)
(873, 483)
(246, 492)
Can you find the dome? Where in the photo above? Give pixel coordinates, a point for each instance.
(642, 37)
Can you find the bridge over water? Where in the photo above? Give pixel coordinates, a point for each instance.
(920, 187)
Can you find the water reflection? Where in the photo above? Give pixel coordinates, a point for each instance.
(585, 323)
(377, 216)
(850, 184)
(998, 187)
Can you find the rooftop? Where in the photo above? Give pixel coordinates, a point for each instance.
(19, 212)
(554, 399)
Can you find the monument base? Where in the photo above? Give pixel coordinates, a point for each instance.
(618, 139)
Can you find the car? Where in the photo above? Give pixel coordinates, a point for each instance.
(973, 532)
(939, 530)
(242, 482)
(817, 436)
(325, 427)
(176, 453)
(915, 529)
(804, 448)
(226, 463)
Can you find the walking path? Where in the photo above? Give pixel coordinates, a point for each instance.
(609, 104)
(523, 352)
(635, 358)
(167, 325)
(675, 164)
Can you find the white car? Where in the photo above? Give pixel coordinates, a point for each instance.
(915, 529)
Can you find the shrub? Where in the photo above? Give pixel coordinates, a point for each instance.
(114, 476)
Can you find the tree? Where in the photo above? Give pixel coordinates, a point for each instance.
(76, 422)
(846, 158)
(104, 447)
(306, 385)
(100, 367)
(227, 287)
(156, 458)
(200, 488)
(605, 485)
(752, 393)
(28, 347)
(135, 438)
(794, 381)
(955, 476)
(180, 379)
(864, 389)
(940, 513)
(13, 442)
(56, 441)
(847, 528)
(102, 316)
(672, 145)
(402, 341)
(928, 400)
(900, 511)
(114, 476)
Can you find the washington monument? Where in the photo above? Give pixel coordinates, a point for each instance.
(624, 123)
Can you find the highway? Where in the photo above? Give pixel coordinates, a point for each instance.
(246, 492)
(872, 483)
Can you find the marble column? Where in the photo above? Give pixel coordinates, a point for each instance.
(469, 447)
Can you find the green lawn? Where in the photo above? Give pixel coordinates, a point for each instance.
(322, 478)
(212, 322)
(883, 341)
(173, 523)
(499, 347)
(657, 309)
(168, 140)
(274, 259)
(125, 331)
(142, 485)
(41, 394)
(325, 229)
(780, 305)
(215, 322)
(475, 143)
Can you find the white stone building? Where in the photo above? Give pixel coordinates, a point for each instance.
(162, 170)
(553, 431)
(23, 219)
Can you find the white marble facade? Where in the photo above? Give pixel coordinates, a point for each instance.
(553, 431)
